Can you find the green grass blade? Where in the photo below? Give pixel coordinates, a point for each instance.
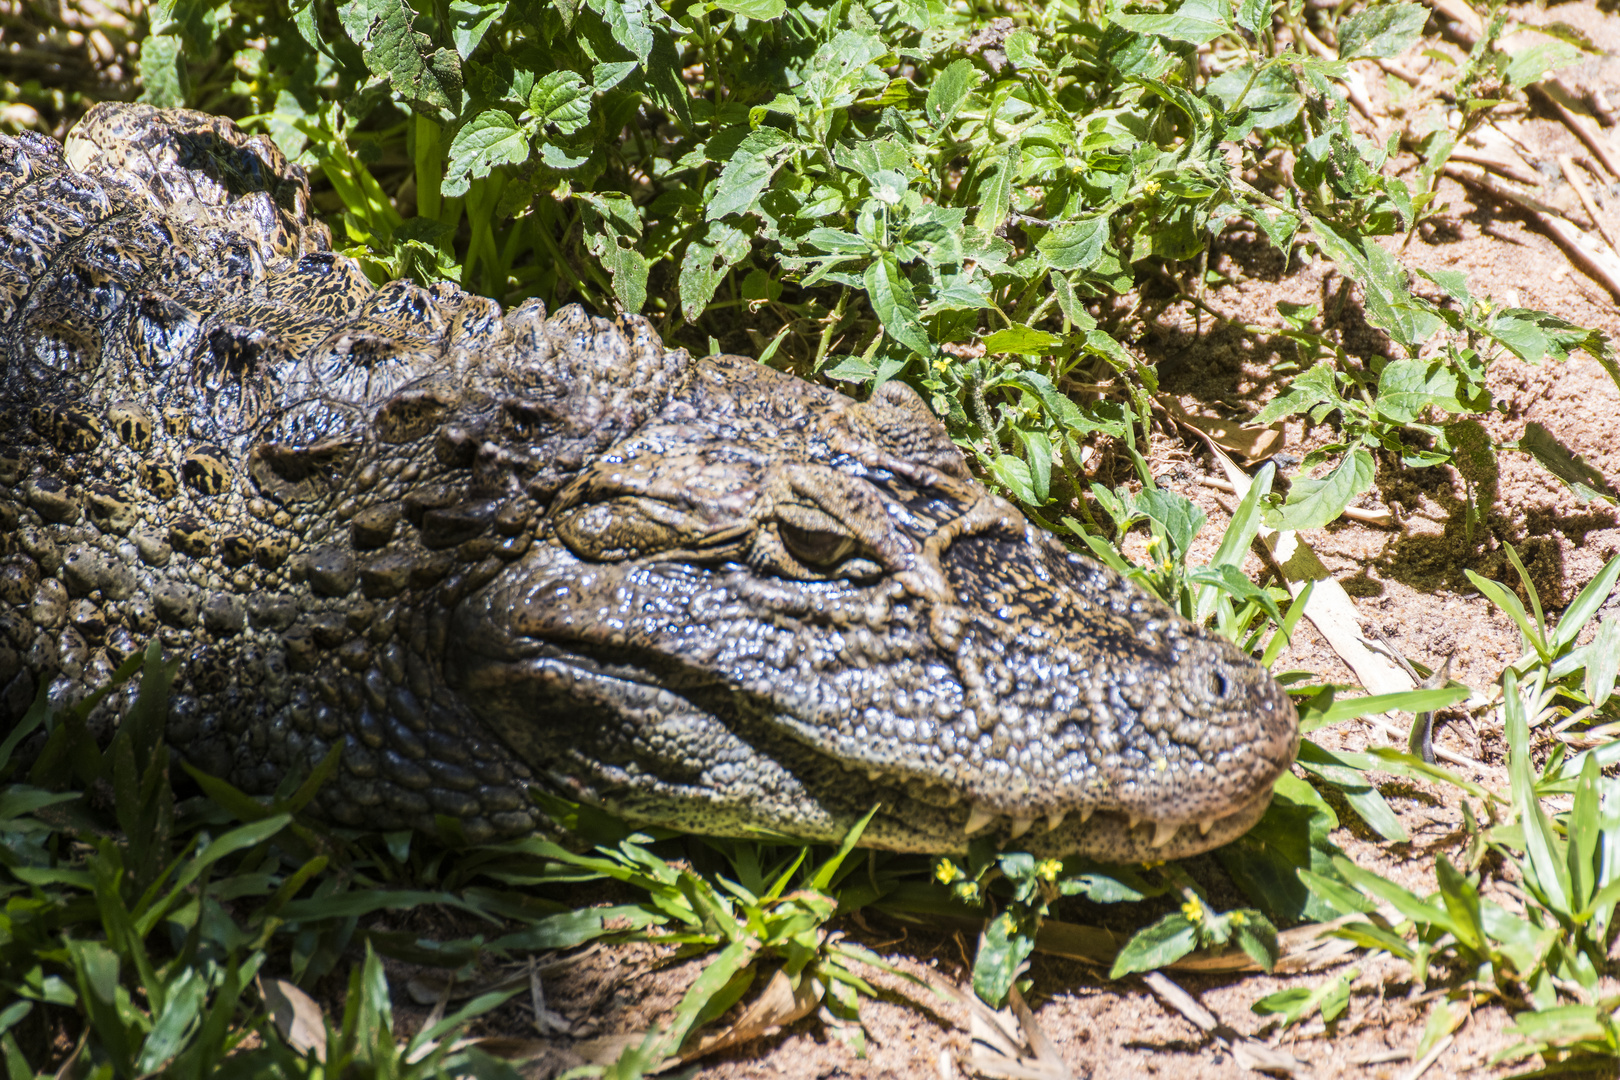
(731, 960)
(822, 879)
(1503, 598)
(1550, 873)
(1585, 605)
(1415, 701)
(1285, 630)
(1584, 832)
(1530, 591)
(1240, 533)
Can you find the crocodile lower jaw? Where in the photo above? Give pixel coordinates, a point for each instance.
(1115, 836)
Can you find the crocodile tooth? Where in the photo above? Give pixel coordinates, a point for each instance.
(1054, 819)
(1086, 812)
(978, 818)
(1164, 832)
(1132, 820)
(1206, 825)
(874, 775)
(1020, 826)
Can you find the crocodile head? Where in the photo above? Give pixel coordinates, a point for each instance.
(770, 608)
(396, 521)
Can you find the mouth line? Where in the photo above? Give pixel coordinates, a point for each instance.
(954, 810)
(1155, 833)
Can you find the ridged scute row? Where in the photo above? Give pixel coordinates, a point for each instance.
(215, 430)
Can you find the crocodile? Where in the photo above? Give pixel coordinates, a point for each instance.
(492, 553)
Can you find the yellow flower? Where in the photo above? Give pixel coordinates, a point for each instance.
(1049, 869)
(967, 891)
(946, 871)
(1150, 188)
(1193, 910)
(1238, 918)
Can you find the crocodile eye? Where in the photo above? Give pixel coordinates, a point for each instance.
(815, 547)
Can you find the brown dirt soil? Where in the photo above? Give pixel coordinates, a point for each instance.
(1408, 585)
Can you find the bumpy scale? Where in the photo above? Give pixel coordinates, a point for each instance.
(484, 552)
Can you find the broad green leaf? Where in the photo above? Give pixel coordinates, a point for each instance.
(706, 263)
(1151, 948)
(164, 80)
(1407, 387)
(562, 99)
(1059, 406)
(1382, 31)
(196, 23)
(1195, 22)
(1075, 245)
(1021, 339)
(1529, 65)
(607, 76)
(417, 71)
(1179, 518)
(1014, 473)
(759, 10)
(470, 21)
(1521, 334)
(995, 191)
(1007, 943)
(747, 173)
(1038, 453)
(1316, 386)
(1330, 997)
(627, 22)
(949, 90)
(615, 245)
(895, 304)
(628, 268)
(490, 139)
(1312, 504)
(1256, 937)
(1254, 15)
(1454, 283)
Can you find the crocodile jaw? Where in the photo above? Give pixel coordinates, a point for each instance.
(712, 701)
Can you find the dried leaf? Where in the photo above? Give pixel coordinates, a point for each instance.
(297, 1017)
(777, 1006)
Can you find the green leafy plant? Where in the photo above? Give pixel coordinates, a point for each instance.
(865, 195)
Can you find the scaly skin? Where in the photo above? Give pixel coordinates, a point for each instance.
(488, 552)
